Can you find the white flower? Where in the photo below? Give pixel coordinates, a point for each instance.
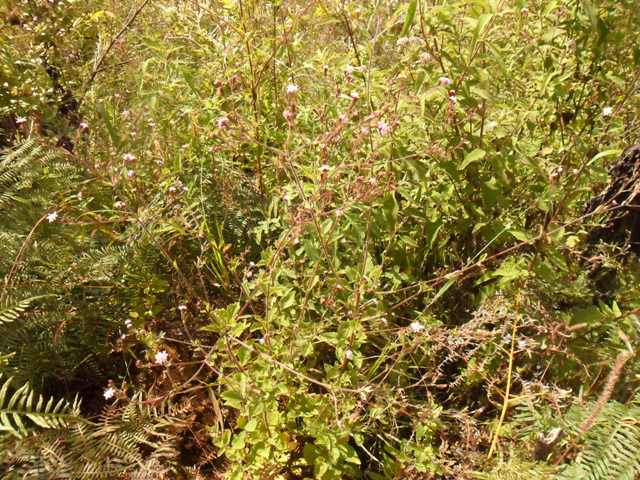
(131, 174)
(354, 95)
(607, 111)
(20, 120)
(445, 81)
(452, 97)
(325, 168)
(292, 89)
(261, 340)
(182, 307)
(128, 157)
(161, 357)
(288, 115)
(348, 354)
(383, 127)
(416, 327)
(344, 118)
(119, 204)
(109, 393)
(426, 57)
(84, 126)
(52, 217)
(128, 323)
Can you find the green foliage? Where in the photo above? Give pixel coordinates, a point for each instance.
(315, 239)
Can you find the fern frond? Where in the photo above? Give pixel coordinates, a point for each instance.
(24, 404)
(611, 448)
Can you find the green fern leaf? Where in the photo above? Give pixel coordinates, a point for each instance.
(24, 404)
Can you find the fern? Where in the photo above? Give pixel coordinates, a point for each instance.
(24, 404)
(10, 313)
(132, 440)
(611, 448)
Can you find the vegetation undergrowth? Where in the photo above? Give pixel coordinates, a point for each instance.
(318, 239)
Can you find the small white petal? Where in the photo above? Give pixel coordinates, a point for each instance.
(109, 393)
(161, 357)
(416, 327)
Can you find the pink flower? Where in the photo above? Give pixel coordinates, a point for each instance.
(383, 127)
(292, 89)
(128, 157)
(119, 204)
(131, 174)
(354, 95)
(445, 81)
(452, 96)
(223, 122)
(288, 115)
(325, 168)
(84, 126)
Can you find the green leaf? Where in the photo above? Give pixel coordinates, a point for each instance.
(474, 156)
(606, 153)
(408, 19)
(232, 398)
